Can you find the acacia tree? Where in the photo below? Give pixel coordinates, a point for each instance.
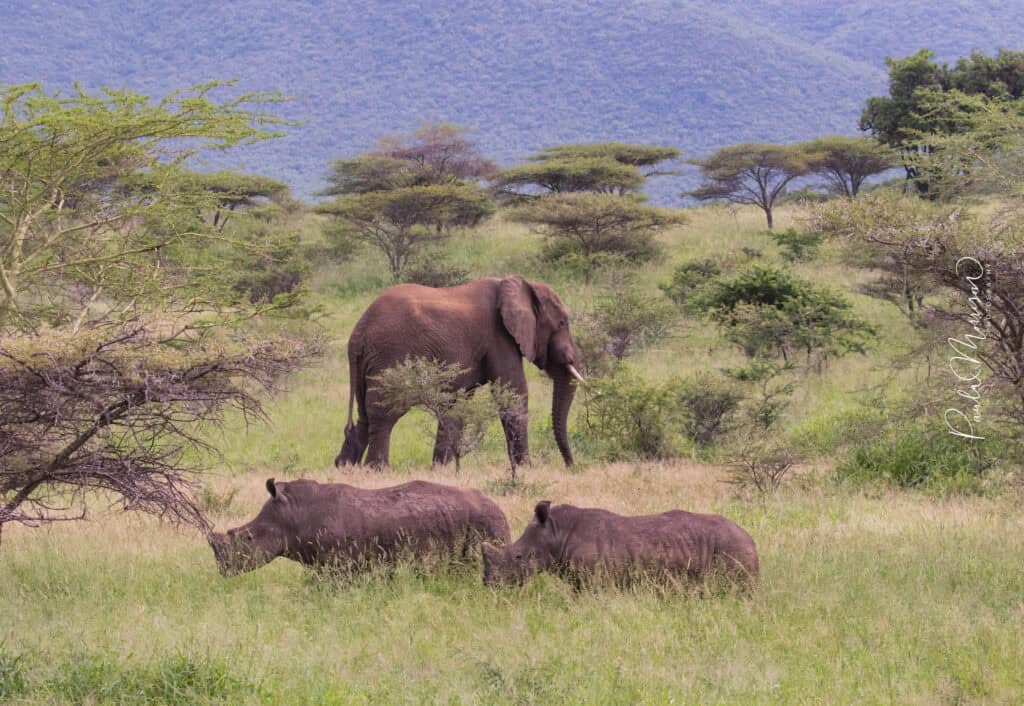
(846, 162)
(750, 173)
(400, 222)
(593, 227)
(603, 167)
(118, 334)
(436, 153)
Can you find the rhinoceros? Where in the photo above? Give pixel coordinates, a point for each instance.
(583, 543)
(331, 523)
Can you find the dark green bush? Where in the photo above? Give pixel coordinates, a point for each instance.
(914, 455)
(797, 246)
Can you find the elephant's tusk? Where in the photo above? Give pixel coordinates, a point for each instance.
(575, 373)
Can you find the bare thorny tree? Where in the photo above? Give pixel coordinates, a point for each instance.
(101, 412)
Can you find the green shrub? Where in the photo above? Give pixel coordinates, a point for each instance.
(688, 278)
(915, 455)
(797, 246)
(627, 416)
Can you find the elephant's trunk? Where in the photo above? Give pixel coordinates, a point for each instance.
(565, 390)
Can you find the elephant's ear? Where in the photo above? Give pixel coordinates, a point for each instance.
(515, 300)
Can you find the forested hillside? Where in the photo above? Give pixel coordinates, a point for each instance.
(523, 74)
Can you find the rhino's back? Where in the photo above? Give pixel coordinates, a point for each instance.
(675, 541)
(417, 515)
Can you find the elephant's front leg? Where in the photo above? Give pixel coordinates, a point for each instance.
(449, 436)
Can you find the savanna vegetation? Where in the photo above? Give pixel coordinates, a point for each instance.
(797, 380)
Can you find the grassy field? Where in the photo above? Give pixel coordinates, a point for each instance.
(884, 598)
(867, 596)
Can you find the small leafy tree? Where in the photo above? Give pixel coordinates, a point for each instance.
(596, 174)
(689, 278)
(432, 386)
(436, 153)
(593, 226)
(751, 173)
(766, 312)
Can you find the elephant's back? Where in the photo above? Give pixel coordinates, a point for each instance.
(424, 317)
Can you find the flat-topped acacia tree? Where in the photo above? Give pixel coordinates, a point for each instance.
(750, 173)
(120, 322)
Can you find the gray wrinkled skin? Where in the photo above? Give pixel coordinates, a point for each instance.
(328, 523)
(583, 543)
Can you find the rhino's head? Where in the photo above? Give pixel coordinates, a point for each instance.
(254, 544)
(535, 551)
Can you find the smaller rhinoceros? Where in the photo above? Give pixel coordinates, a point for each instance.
(583, 543)
(330, 523)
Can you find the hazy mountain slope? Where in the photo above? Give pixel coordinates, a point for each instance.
(524, 73)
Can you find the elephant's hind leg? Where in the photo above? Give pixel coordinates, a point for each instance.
(378, 449)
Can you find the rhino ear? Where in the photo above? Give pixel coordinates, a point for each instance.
(271, 488)
(541, 511)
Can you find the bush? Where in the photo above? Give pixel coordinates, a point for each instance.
(628, 416)
(709, 403)
(688, 278)
(797, 246)
(916, 454)
(631, 417)
(622, 321)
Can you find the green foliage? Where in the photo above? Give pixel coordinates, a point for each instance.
(846, 162)
(434, 386)
(628, 416)
(435, 272)
(917, 454)
(767, 311)
(751, 173)
(797, 246)
(400, 222)
(687, 279)
(591, 225)
(912, 109)
(635, 155)
(96, 195)
(367, 173)
(622, 320)
(597, 174)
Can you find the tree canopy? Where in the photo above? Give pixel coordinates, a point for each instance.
(751, 173)
(846, 162)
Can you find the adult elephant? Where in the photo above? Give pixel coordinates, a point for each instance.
(485, 327)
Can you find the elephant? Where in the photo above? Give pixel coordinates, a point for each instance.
(485, 327)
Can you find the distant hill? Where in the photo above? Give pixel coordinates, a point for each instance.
(523, 74)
